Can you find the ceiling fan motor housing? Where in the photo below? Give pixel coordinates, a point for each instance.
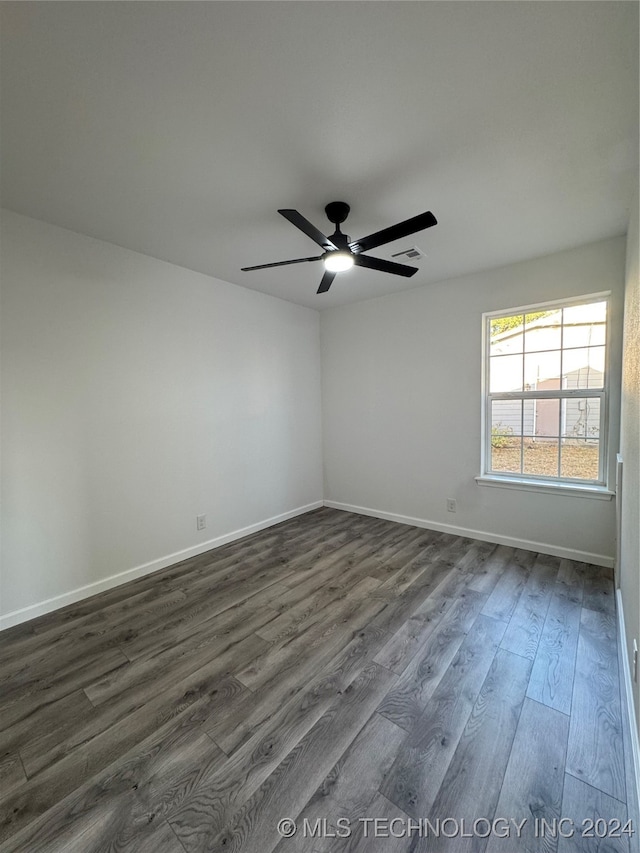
(337, 211)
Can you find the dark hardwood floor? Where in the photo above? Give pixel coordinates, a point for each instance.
(335, 670)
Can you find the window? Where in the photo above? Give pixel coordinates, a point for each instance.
(545, 401)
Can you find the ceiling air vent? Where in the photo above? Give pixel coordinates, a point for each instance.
(411, 254)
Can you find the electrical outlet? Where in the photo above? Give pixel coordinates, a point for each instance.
(451, 505)
(201, 522)
(635, 660)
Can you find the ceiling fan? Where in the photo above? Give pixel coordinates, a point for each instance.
(340, 254)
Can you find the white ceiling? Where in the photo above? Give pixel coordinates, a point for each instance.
(178, 129)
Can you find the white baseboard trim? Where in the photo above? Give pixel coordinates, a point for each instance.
(33, 610)
(628, 696)
(542, 547)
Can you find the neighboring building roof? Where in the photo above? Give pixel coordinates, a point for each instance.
(583, 346)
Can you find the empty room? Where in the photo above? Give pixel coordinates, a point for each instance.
(320, 427)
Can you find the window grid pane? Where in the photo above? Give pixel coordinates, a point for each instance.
(505, 373)
(542, 370)
(506, 417)
(542, 330)
(506, 459)
(545, 418)
(550, 437)
(580, 462)
(581, 419)
(540, 457)
(584, 367)
(502, 336)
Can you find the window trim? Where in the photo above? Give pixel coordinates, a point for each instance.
(534, 482)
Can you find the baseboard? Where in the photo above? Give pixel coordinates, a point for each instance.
(542, 547)
(628, 695)
(33, 610)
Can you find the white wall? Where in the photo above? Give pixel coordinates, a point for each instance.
(630, 450)
(137, 394)
(401, 403)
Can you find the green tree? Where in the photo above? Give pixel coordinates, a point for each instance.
(503, 324)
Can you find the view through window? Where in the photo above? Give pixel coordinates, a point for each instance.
(546, 392)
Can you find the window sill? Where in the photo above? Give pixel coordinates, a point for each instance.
(574, 490)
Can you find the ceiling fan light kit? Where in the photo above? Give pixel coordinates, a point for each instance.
(340, 254)
(338, 261)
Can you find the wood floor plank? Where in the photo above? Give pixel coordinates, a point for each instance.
(148, 781)
(325, 638)
(106, 821)
(506, 593)
(397, 609)
(381, 830)
(25, 804)
(208, 598)
(293, 781)
(252, 711)
(185, 657)
(218, 796)
(346, 793)
(571, 575)
(432, 553)
(525, 626)
(533, 782)
(306, 600)
(391, 559)
(488, 573)
(452, 549)
(471, 786)
(34, 693)
(60, 716)
(12, 773)
(553, 669)
(390, 556)
(599, 593)
(406, 702)
(476, 556)
(96, 632)
(307, 559)
(156, 641)
(421, 765)
(365, 560)
(412, 636)
(81, 750)
(583, 805)
(595, 733)
(297, 619)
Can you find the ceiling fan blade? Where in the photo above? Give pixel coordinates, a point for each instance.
(327, 281)
(384, 266)
(394, 232)
(281, 263)
(306, 227)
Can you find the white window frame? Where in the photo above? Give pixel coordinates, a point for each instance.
(536, 482)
